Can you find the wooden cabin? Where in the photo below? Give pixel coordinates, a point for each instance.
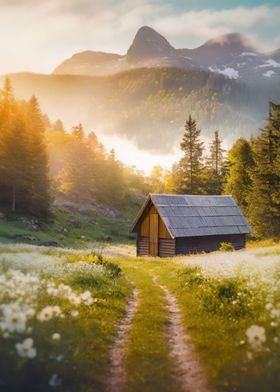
(169, 225)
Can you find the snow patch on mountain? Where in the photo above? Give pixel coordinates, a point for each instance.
(269, 74)
(270, 63)
(245, 54)
(231, 73)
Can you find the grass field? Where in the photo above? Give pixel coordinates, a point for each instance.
(70, 304)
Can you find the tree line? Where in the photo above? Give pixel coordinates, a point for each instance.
(40, 162)
(250, 172)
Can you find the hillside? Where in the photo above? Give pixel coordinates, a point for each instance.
(71, 225)
(149, 105)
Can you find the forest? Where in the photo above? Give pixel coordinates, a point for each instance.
(149, 105)
(41, 162)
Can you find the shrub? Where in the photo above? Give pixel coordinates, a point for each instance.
(226, 247)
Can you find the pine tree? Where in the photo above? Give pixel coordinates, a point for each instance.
(265, 196)
(77, 176)
(238, 180)
(78, 132)
(13, 151)
(189, 172)
(38, 169)
(156, 178)
(114, 180)
(215, 166)
(16, 180)
(58, 126)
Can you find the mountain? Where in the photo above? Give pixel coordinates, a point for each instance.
(148, 44)
(231, 55)
(275, 55)
(91, 63)
(148, 106)
(145, 95)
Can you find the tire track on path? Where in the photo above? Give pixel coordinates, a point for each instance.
(188, 370)
(117, 374)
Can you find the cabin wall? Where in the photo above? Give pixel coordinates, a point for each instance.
(143, 246)
(187, 245)
(146, 240)
(167, 247)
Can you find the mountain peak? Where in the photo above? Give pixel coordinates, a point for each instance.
(148, 44)
(238, 42)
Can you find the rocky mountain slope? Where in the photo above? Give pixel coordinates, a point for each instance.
(231, 55)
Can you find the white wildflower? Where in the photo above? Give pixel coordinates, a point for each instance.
(26, 349)
(275, 313)
(249, 355)
(256, 336)
(86, 297)
(49, 312)
(15, 322)
(74, 299)
(56, 336)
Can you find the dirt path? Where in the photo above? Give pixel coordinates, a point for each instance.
(117, 376)
(188, 371)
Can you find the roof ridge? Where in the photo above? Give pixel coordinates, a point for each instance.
(185, 194)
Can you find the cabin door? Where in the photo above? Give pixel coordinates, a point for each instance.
(154, 234)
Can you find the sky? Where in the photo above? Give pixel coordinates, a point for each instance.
(36, 35)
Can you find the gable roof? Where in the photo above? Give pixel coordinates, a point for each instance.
(194, 216)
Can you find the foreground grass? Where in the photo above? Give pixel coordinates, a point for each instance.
(217, 312)
(79, 359)
(148, 365)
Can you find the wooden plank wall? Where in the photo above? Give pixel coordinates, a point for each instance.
(187, 245)
(167, 247)
(143, 246)
(154, 229)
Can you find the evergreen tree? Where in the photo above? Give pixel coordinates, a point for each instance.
(189, 172)
(38, 169)
(156, 178)
(58, 126)
(113, 179)
(215, 166)
(265, 196)
(76, 177)
(15, 158)
(78, 132)
(238, 180)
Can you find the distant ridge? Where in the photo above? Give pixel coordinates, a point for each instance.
(232, 55)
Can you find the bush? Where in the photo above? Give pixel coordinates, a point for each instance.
(226, 247)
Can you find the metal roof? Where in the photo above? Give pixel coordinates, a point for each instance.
(193, 216)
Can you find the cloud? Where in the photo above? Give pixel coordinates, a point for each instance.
(191, 28)
(40, 34)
